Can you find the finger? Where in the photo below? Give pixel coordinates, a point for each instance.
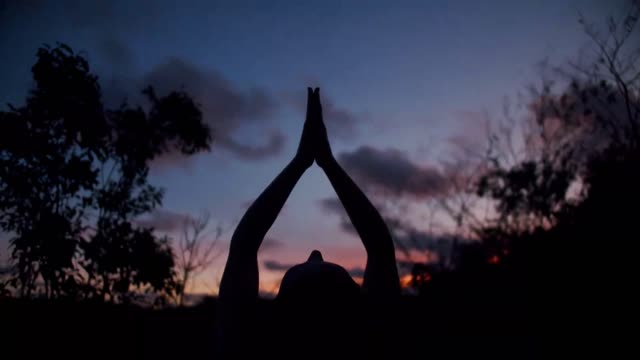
(317, 106)
(309, 100)
(311, 105)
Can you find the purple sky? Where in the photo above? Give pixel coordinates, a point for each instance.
(402, 75)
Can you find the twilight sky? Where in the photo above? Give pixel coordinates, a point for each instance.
(399, 80)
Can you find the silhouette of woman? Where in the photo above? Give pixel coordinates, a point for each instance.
(315, 292)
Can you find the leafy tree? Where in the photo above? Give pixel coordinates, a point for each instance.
(570, 135)
(73, 178)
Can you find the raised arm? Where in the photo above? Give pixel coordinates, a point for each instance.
(381, 274)
(240, 277)
(239, 284)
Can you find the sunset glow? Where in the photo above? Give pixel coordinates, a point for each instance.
(399, 84)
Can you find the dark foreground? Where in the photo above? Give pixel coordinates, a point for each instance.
(469, 325)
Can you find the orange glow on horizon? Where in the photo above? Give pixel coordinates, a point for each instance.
(406, 280)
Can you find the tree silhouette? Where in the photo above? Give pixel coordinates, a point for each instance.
(197, 250)
(575, 174)
(73, 178)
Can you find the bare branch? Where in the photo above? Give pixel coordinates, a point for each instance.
(198, 251)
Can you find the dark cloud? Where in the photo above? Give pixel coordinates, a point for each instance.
(274, 265)
(225, 107)
(163, 220)
(274, 144)
(409, 238)
(392, 172)
(406, 236)
(332, 205)
(109, 25)
(341, 123)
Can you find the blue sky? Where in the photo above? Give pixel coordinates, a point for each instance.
(399, 74)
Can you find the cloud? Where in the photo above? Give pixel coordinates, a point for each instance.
(341, 123)
(407, 237)
(392, 172)
(225, 108)
(275, 143)
(332, 205)
(163, 220)
(274, 265)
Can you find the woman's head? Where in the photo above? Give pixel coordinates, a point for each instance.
(320, 305)
(317, 282)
